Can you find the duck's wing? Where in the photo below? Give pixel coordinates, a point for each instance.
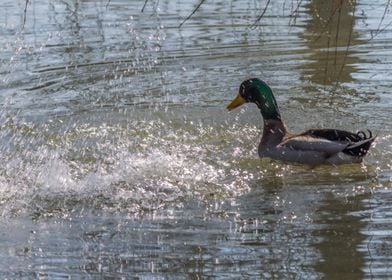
(338, 135)
(315, 144)
(331, 141)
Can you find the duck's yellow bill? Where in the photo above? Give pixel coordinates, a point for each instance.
(238, 101)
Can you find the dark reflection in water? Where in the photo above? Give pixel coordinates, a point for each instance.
(340, 237)
(330, 36)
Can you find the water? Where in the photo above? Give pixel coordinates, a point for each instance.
(119, 159)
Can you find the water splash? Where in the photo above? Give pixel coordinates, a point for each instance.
(142, 165)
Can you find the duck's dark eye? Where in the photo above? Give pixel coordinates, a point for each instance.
(249, 94)
(246, 90)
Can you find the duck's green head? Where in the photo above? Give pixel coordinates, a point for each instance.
(258, 92)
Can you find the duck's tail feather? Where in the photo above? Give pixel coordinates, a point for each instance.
(360, 148)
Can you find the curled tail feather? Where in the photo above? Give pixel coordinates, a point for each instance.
(361, 147)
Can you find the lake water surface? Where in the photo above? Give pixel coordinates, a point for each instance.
(119, 159)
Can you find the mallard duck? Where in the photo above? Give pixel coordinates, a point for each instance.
(313, 147)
